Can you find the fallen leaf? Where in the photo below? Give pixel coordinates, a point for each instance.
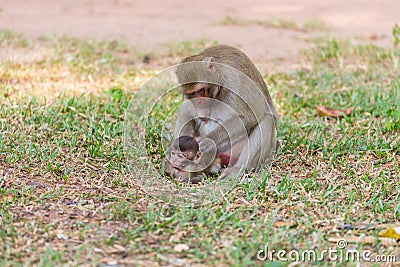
(327, 112)
(181, 247)
(282, 224)
(9, 197)
(373, 37)
(391, 233)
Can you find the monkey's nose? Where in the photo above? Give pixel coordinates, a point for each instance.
(199, 102)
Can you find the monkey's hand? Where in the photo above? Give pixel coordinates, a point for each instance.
(171, 171)
(175, 173)
(184, 177)
(167, 167)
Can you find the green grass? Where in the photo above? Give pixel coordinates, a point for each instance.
(67, 197)
(11, 39)
(396, 35)
(307, 26)
(186, 47)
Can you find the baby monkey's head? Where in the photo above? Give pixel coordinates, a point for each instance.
(184, 148)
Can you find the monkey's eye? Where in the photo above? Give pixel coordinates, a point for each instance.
(199, 93)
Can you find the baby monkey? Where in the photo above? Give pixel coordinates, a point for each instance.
(185, 149)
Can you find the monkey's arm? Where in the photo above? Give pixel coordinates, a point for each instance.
(259, 148)
(185, 122)
(215, 166)
(183, 177)
(226, 138)
(217, 140)
(184, 125)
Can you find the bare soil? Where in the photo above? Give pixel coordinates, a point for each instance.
(149, 24)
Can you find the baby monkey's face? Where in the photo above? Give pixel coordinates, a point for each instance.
(190, 154)
(183, 149)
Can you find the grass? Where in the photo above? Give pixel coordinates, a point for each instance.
(12, 39)
(307, 26)
(67, 196)
(186, 47)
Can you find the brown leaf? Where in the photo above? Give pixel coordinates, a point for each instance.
(373, 37)
(282, 224)
(327, 112)
(9, 197)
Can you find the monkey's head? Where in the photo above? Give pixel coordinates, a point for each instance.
(183, 149)
(199, 82)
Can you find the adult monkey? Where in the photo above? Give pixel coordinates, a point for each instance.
(229, 105)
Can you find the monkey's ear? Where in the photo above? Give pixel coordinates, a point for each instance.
(210, 63)
(197, 156)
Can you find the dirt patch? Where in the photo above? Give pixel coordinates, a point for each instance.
(149, 24)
